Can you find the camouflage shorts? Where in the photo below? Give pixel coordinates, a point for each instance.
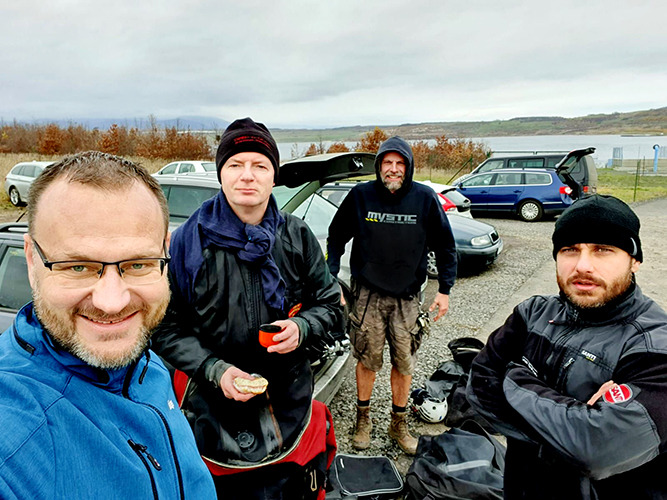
(377, 317)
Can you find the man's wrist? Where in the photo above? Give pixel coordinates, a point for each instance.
(214, 368)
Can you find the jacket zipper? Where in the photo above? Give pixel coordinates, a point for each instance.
(126, 386)
(146, 457)
(560, 341)
(255, 297)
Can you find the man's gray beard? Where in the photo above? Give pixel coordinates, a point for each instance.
(65, 335)
(392, 186)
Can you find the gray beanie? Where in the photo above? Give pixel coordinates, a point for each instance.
(599, 219)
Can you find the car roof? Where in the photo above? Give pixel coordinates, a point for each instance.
(39, 163)
(13, 231)
(515, 170)
(499, 155)
(189, 180)
(325, 168)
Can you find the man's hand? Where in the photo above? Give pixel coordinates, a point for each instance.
(342, 296)
(227, 384)
(288, 339)
(441, 301)
(603, 388)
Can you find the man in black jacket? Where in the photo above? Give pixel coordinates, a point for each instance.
(393, 223)
(237, 263)
(578, 382)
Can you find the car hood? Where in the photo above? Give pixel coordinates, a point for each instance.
(463, 227)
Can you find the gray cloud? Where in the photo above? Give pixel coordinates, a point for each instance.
(296, 63)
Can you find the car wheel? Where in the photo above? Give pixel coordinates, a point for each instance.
(530, 211)
(431, 267)
(14, 196)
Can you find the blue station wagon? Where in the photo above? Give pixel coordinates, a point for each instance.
(529, 193)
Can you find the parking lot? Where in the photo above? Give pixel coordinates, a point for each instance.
(481, 302)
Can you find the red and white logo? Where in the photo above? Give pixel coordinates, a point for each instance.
(618, 394)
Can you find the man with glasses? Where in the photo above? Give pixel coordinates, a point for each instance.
(86, 410)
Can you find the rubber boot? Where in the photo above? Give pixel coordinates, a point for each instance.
(362, 431)
(398, 431)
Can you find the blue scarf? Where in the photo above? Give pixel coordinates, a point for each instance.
(253, 243)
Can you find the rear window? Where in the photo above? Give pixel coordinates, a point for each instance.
(478, 180)
(335, 196)
(552, 162)
(18, 170)
(525, 163)
(537, 178)
(490, 165)
(508, 179)
(14, 284)
(209, 166)
(169, 169)
(184, 200)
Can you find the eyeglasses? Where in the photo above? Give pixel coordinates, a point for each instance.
(84, 273)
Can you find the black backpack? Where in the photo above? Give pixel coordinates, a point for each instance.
(450, 379)
(461, 463)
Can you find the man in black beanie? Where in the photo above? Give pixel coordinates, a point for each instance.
(237, 263)
(578, 382)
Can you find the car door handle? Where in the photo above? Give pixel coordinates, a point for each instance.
(517, 191)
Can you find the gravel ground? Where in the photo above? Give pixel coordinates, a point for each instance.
(474, 299)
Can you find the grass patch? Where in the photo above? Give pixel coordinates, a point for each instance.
(611, 182)
(622, 185)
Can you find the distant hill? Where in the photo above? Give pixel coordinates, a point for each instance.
(648, 122)
(181, 123)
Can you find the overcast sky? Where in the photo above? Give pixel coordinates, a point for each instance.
(331, 63)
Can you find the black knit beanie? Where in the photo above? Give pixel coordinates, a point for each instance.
(246, 135)
(599, 219)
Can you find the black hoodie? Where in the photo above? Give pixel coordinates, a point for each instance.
(393, 232)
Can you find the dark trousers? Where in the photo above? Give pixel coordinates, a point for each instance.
(284, 481)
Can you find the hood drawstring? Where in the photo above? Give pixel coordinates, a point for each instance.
(147, 352)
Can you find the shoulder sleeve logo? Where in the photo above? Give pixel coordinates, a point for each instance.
(618, 394)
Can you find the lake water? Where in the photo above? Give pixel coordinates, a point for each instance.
(633, 147)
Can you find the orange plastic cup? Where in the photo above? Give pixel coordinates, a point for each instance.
(266, 333)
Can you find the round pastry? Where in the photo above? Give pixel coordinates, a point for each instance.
(251, 386)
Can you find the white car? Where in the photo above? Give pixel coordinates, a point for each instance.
(451, 200)
(19, 179)
(187, 167)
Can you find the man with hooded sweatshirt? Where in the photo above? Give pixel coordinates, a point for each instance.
(393, 223)
(237, 263)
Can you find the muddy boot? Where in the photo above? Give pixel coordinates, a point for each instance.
(398, 431)
(362, 432)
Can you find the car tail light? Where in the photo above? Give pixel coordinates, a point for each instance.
(447, 205)
(566, 190)
(586, 189)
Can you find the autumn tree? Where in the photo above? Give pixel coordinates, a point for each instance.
(110, 141)
(312, 150)
(78, 138)
(338, 147)
(51, 140)
(370, 141)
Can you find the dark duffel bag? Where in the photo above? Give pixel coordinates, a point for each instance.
(461, 463)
